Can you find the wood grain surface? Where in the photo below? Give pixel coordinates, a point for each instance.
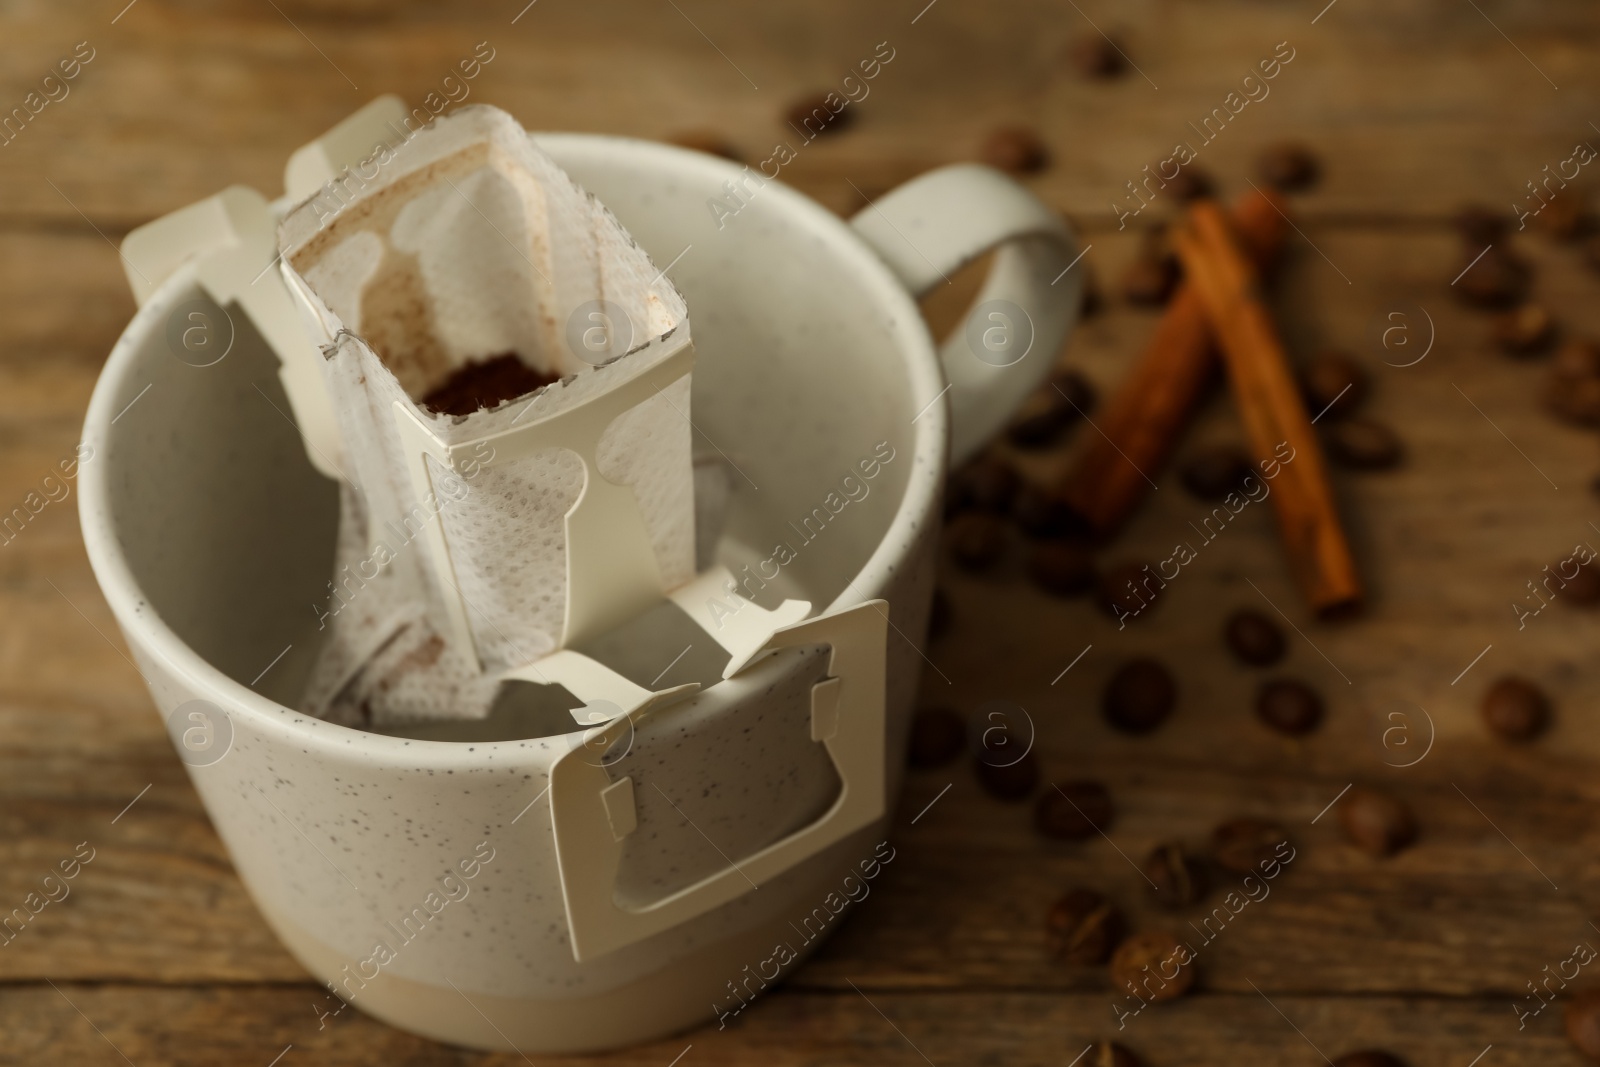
(158, 956)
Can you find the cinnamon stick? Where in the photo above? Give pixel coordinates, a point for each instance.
(1274, 414)
(1140, 425)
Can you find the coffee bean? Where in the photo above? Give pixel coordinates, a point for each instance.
(1583, 588)
(1015, 150)
(1523, 331)
(1364, 445)
(810, 115)
(1574, 400)
(708, 141)
(1247, 846)
(1076, 390)
(1564, 218)
(1150, 279)
(1577, 359)
(1046, 414)
(1376, 823)
(1254, 638)
(938, 735)
(1044, 514)
(1074, 811)
(1094, 300)
(1139, 697)
(1211, 473)
(1176, 878)
(938, 615)
(1141, 964)
(1572, 391)
(1370, 1057)
(1127, 591)
(1061, 568)
(1480, 225)
(1289, 167)
(1515, 708)
(987, 483)
(1111, 1054)
(1083, 927)
(1192, 183)
(1040, 420)
(977, 541)
(1492, 280)
(1097, 56)
(1334, 383)
(1582, 1018)
(1289, 707)
(1011, 779)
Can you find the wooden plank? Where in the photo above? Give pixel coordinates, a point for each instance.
(176, 1027)
(69, 301)
(179, 101)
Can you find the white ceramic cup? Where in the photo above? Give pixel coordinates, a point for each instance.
(417, 876)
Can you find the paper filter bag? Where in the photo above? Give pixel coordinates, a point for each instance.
(461, 246)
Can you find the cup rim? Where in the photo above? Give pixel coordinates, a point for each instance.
(149, 636)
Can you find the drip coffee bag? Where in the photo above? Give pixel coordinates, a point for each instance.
(510, 376)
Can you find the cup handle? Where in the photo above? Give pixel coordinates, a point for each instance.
(1006, 346)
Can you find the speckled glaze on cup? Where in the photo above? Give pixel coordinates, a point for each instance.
(212, 539)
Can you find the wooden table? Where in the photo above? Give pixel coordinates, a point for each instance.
(1412, 108)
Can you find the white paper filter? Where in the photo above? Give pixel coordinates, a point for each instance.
(468, 243)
